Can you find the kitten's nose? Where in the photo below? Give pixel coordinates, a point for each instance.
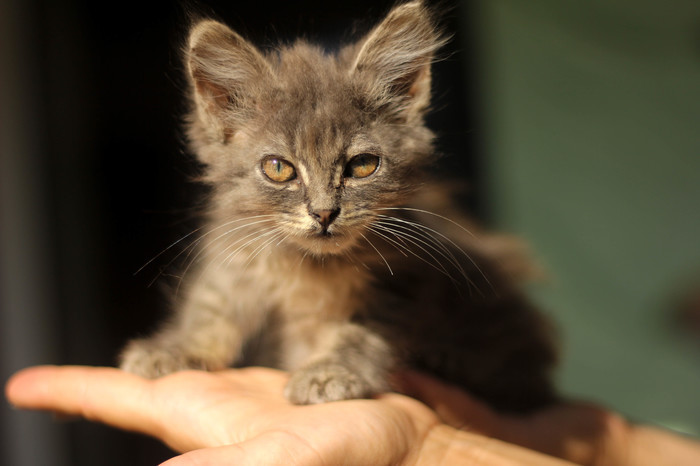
(325, 217)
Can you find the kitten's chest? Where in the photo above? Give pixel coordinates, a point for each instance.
(307, 303)
(328, 290)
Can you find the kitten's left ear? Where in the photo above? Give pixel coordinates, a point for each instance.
(394, 60)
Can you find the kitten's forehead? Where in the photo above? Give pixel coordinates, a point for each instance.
(315, 114)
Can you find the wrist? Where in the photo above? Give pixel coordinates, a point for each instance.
(658, 447)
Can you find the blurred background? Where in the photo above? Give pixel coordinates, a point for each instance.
(576, 124)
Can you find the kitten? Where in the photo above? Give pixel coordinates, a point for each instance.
(327, 250)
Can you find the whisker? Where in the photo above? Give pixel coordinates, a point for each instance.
(417, 242)
(190, 247)
(355, 260)
(260, 248)
(203, 249)
(447, 219)
(167, 249)
(284, 238)
(424, 237)
(432, 242)
(301, 261)
(450, 241)
(380, 254)
(398, 245)
(256, 235)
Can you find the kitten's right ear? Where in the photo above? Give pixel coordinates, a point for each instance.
(221, 67)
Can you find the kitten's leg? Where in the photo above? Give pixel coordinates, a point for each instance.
(207, 346)
(353, 362)
(207, 333)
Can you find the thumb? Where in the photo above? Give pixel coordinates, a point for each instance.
(271, 448)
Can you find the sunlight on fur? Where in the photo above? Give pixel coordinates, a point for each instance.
(327, 248)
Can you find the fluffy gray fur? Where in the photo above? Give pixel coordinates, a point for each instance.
(327, 250)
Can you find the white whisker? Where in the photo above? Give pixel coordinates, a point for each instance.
(380, 254)
(416, 242)
(223, 235)
(167, 249)
(301, 261)
(260, 248)
(447, 219)
(256, 236)
(354, 260)
(430, 240)
(439, 267)
(191, 247)
(441, 235)
(204, 249)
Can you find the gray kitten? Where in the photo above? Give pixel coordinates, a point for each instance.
(328, 251)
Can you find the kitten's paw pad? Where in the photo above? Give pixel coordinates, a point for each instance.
(321, 383)
(151, 360)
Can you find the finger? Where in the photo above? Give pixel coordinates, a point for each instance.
(256, 380)
(100, 394)
(420, 415)
(267, 449)
(454, 406)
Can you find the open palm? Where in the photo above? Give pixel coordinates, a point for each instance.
(238, 416)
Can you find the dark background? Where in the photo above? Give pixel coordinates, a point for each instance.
(103, 184)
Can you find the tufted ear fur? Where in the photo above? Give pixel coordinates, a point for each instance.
(224, 71)
(394, 60)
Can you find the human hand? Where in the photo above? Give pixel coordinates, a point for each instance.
(583, 433)
(240, 417)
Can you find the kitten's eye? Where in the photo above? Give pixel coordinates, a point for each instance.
(278, 170)
(361, 166)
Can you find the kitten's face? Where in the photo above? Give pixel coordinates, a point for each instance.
(318, 144)
(319, 163)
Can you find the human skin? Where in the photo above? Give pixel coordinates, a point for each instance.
(239, 416)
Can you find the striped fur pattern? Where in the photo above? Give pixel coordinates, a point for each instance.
(327, 249)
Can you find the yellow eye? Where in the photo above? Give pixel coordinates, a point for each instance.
(278, 170)
(362, 166)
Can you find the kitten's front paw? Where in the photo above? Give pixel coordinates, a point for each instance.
(151, 359)
(323, 382)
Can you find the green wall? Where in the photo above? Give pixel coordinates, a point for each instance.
(593, 146)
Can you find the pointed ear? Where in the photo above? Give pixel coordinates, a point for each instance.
(223, 69)
(394, 59)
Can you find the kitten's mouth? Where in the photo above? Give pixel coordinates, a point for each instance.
(327, 242)
(325, 233)
(328, 238)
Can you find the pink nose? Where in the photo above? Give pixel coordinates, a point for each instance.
(325, 217)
